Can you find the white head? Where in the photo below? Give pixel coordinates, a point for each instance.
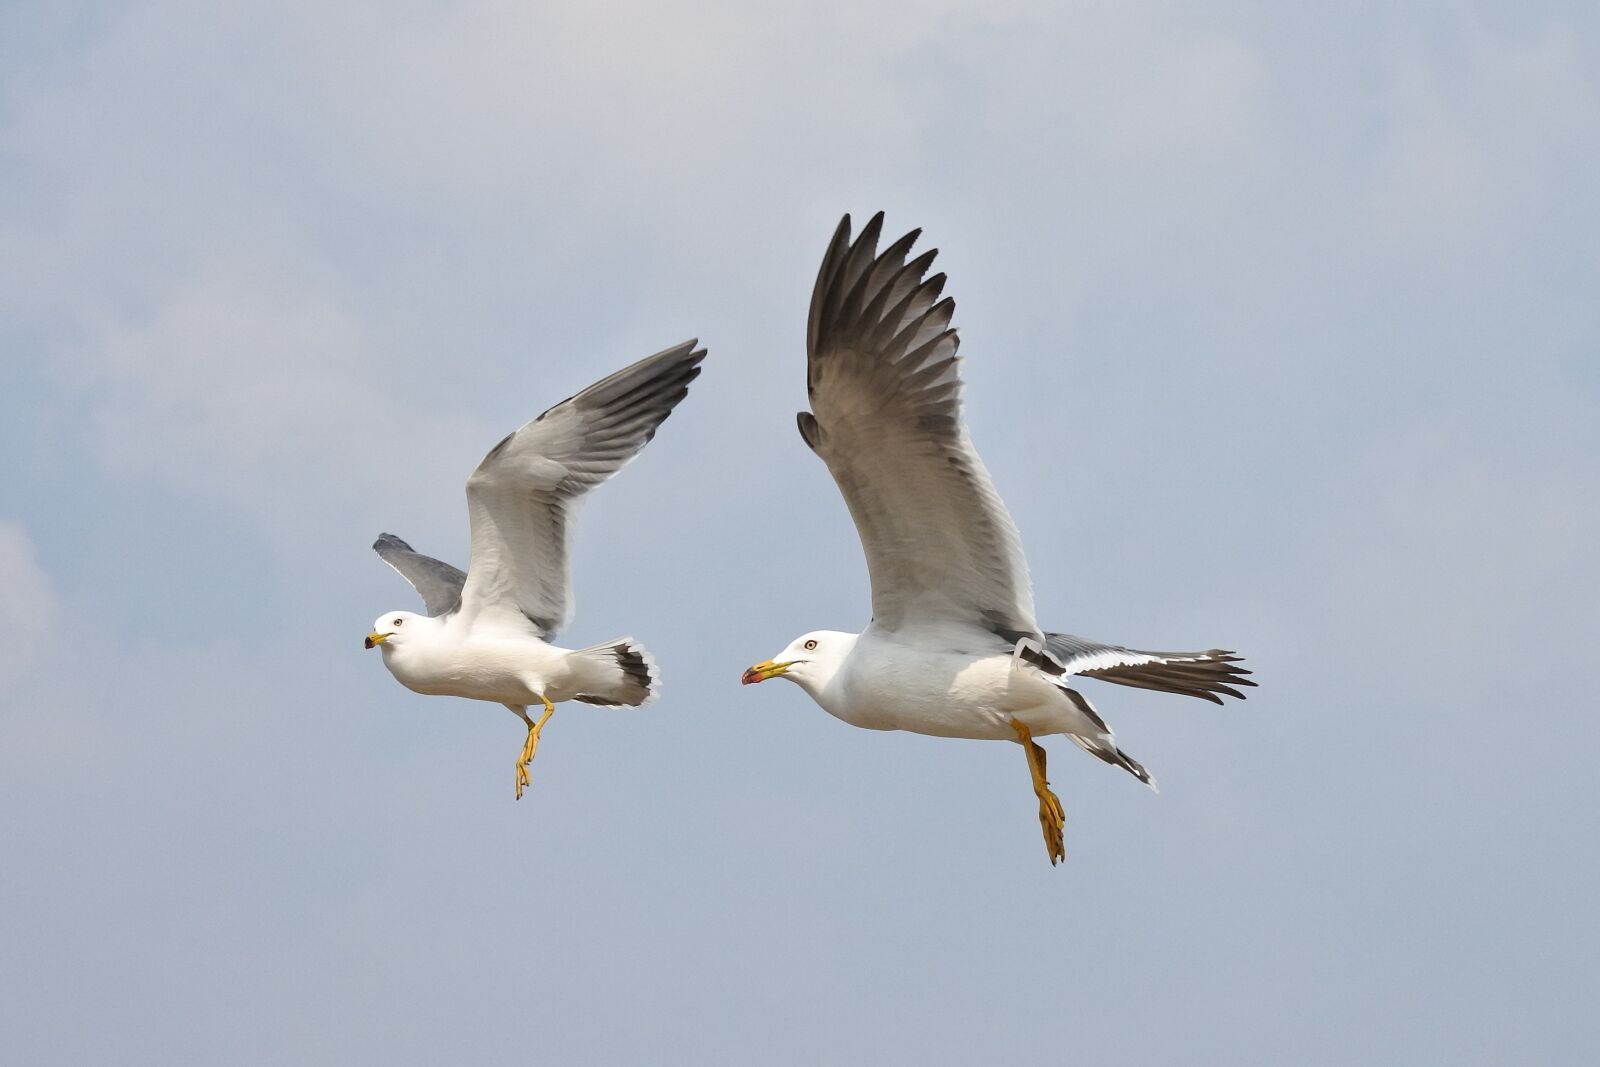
(391, 630)
(810, 661)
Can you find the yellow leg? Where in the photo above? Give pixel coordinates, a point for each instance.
(531, 745)
(1052, 820)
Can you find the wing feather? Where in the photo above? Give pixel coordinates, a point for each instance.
(883, 376)
(438, 583)
(1195, 674)
(522, 496)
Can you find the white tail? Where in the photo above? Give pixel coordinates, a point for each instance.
(616, 673)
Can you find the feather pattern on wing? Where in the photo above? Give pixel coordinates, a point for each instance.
(1193, 674)
(521, 497)
(438, 583)
(885, 388)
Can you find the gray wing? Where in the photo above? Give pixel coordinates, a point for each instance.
(438, 583)
(521, 497)
(1193, 674)
(885, 388)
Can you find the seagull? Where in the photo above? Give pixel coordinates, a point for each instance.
(953, 648)
(486, 633)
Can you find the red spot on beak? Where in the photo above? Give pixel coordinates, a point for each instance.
(750, 677)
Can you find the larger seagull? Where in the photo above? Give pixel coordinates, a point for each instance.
(486, 632)
(953, 648)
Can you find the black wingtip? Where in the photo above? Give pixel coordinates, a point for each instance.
(687, 351)
(687, 354)
(871, 231)
(389, 540)
(874, 225)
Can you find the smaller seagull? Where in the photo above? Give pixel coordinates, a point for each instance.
(953, 648)
(486, 632)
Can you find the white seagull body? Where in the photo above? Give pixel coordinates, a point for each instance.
(485, 634)
(953, 648)
(450, 657)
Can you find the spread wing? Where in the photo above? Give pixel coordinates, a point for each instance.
(885, 387)
(1193, 674)
(438, 583)
(522, 496)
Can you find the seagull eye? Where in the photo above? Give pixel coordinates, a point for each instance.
(399, 622)
(810, 646)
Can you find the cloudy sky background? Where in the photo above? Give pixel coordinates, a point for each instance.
(1281, 334)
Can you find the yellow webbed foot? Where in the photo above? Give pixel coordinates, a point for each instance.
(1052, 819)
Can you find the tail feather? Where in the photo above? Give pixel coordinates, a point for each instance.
(619, 673)
(1098, 740)
(1105, 748)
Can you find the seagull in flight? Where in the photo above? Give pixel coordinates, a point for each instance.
(953, 648)
(486, 634)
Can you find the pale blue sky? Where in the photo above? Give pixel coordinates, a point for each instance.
(1281, 335)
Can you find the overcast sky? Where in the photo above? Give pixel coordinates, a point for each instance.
(1280, 327)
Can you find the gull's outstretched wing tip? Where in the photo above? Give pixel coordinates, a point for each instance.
(389, 540)
(437, 582)
(521, 496)
(884, 382)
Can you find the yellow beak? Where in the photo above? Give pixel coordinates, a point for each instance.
(762, 671)
(375, 639)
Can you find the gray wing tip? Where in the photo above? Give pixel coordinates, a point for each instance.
(681, 362)
(688, 351)
(437, 582)
(684, 367)
(389, 540)
(669, 386)
(677, 365)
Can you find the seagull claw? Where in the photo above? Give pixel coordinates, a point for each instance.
(1052, 818)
